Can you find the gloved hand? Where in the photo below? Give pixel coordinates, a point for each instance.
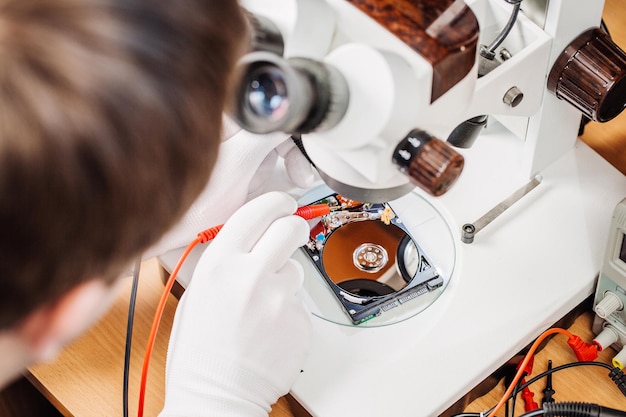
(244, 165)
(241, 334)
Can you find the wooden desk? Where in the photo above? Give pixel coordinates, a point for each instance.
(582, 384)
(86, 380)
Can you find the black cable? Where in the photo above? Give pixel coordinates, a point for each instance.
(562, 367)
(548, 391)
(508, 410)
(296, 138)
(577, 409)
(491, 49)
(550, 372)
(535, 379)
(129, 337)
(513, 397)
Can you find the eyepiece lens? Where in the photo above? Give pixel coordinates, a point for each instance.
(295, 95)
(266, 93)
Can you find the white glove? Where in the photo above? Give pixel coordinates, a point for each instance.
(241, 334)
(244, 165)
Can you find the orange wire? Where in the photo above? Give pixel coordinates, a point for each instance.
(157, 320)
(520, 371)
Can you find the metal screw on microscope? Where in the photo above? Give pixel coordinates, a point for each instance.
(513, 97)
(505, 54)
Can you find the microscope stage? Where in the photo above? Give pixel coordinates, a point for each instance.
(524, 271)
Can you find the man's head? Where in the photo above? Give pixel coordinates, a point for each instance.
(110, 118)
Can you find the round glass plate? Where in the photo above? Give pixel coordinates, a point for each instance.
(426, 226)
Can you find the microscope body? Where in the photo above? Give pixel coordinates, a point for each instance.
(408, 66)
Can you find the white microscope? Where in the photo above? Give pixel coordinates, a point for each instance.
(376, 92)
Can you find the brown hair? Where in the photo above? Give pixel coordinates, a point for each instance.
(110, 119)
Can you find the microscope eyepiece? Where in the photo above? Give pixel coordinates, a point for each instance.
(295, 95)
(265, 93)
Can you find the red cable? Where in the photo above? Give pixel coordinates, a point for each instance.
(522, 367)
(157, 321)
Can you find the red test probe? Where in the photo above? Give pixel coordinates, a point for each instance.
(306, 212)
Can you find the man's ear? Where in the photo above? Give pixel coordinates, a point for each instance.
(49, 328)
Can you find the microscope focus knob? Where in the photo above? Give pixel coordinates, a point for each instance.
(429, 162)
(590, 74)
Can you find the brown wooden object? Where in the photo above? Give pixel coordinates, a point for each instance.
(443, 32)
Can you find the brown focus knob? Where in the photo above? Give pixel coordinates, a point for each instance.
(590, 74)
(429, 162)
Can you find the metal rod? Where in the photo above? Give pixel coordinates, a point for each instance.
(469, 230)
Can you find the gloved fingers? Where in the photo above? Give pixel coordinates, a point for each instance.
(248, 224)
(280, 241)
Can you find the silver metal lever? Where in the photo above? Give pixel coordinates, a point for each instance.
(469, 230)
